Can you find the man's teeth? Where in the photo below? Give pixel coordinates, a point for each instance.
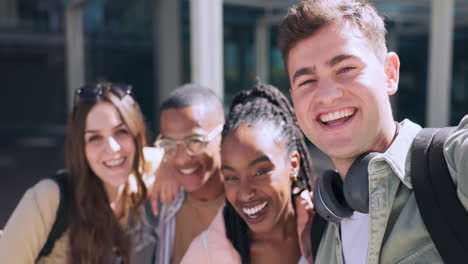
(253, 210)
(189, 170)
(113, 163)
(336, 115)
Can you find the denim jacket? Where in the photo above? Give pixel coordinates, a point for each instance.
(397, 232)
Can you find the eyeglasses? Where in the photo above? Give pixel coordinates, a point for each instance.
(194, 145)
(91, 92)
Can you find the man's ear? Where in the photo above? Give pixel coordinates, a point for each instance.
(392, 72)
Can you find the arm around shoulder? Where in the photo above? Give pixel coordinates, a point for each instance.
(28, 227)
(456, 155)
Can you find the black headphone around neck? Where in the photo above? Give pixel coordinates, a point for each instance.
(334, 199)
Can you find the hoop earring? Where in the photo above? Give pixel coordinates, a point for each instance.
(293, 176)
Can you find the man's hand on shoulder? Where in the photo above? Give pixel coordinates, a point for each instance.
(165, 187)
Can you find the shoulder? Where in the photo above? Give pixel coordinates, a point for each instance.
(41, 202)
(456, 155)
(302, 260)
(28, 227)
(217, 226)
(46, 194)
(48, 186)
(197, 251)
(457, 143)
(212, 245)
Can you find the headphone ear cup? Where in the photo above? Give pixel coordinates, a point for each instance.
(328, 198)
(356, 183)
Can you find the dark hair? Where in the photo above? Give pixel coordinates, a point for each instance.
(188, 95)
(95, 237)
(309, 16)
(264, 103)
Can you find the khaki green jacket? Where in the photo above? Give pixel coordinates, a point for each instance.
(397, 231)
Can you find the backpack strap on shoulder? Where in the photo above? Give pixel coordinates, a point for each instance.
(61, 220)
(442, 212)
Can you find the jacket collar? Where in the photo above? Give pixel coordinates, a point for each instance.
(396, 155)
(168, 211)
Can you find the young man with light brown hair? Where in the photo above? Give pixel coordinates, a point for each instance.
(341, 76)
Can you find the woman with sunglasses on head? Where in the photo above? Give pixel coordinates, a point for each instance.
(266, 170)
(104, 185)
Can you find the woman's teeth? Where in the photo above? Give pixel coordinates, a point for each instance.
(337, 115)
(114, 163)
(189, 170)
(250, 212)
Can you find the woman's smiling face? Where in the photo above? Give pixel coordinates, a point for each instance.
(257, 169)
(109, 146)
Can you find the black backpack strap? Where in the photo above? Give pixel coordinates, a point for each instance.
(316, 233)
(61, 220)
(442, 212)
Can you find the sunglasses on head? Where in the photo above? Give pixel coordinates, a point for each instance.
(91, 92)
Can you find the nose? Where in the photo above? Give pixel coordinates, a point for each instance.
(328, 91)
(246, 192)
(113, 144)
(180, 155)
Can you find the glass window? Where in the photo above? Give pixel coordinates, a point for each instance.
(119, 46)
(459, 99)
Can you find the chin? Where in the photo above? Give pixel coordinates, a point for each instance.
(339, 148)
(260, 228)
(190, 187)
(118, 180)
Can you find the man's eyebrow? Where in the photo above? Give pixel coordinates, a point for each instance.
(332, 62)
(337, 59)
(303, 71)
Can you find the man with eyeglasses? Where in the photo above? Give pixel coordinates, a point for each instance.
(191, 121)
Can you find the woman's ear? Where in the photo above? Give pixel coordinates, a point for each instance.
(295, 163)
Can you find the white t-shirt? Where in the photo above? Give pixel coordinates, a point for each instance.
(355, 238)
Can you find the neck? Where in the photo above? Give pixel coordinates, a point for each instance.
(383, 142)
(284, 229)
(114, 194)
(211, 190)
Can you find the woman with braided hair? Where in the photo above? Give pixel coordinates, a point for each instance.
(266, 168)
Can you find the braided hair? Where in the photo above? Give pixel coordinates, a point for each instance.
(264, 102)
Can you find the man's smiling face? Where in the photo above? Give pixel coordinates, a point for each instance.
(340, 89)
(193, 172)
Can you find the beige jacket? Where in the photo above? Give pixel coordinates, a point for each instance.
(28, 227)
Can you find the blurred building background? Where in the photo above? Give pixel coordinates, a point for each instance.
(48, 48)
